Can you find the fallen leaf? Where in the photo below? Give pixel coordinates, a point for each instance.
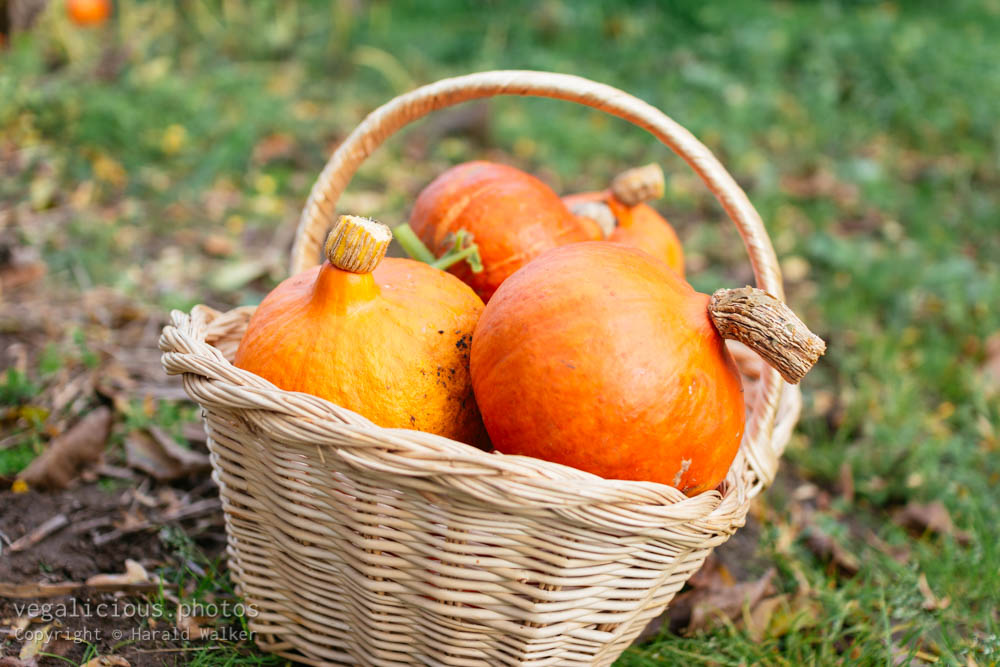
(134, 574)
(35, 645)
(931, 601)
(900, 553)
(990, 369)
(20, 265)
(930, 517)
(156, 453)
(713, 574)
(10, 661)
(777, 616)
(805, 492)
(276, 146)
(191, 626)
(194, 432)
(66, 455)
(847, 482)
(107, 661)
(711, 604)
(236, 275)
(218, 245)
(826, 547)
(16, 625)
(759, 619)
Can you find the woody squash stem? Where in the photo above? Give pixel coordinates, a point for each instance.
(601, 357)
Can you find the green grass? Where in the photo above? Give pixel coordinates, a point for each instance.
(865, 134)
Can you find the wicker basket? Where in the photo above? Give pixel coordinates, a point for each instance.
(363, 545)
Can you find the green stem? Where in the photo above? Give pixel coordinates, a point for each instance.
(464, 249)
(470, 253)
(412, 245)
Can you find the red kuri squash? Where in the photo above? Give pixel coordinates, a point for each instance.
(385, 337)
(598, 356)
(512, 216)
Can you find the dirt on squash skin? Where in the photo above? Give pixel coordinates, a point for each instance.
(128, 624)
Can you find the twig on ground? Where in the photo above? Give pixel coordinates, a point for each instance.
(29, 540)
(207, 506)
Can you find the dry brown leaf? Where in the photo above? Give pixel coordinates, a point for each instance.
(711, 604)
(19, 265)
(931, 601)
(107, 661)
(900, 554)
(930, 517)
(991, 365)
(759, 618)
(194, 432)
(847, 482)
(828, 548)
(156, 453)
(218, 245)
(17, 624)
(713, 574)
(10, 661)
(80, 446)
(35, 645)
(134, 574)
(273, 147)
(780, 615)
(191, 626)
(235, 275)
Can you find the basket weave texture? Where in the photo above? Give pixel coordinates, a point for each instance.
(357, 544)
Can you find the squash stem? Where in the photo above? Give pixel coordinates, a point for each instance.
(768, 327)
(469, 253)
(463, 249)
(412, 245)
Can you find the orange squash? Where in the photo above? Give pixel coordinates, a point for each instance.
(625, 217)
(490, 201)
(88, 12)
(385, 337)
(600, 357)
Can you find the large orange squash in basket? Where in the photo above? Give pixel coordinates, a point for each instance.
(625, 217)
(601, 357)
(385, 337)
(512, 216)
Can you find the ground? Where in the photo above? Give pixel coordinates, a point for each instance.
(161, 160)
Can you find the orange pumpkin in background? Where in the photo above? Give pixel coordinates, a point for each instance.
(388, 338)
(624, 216)
(513, 217)
(600, 357)
(88, 12)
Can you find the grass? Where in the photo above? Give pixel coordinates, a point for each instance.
(865, 134)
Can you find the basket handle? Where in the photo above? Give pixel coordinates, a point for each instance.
(395, 114)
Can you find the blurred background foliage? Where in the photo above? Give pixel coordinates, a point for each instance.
(167, 154)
